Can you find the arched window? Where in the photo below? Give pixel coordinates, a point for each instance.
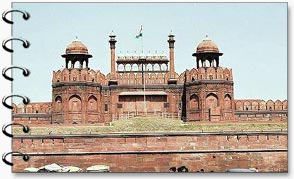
(92, 103)
(194, 102)
(75, 103)
(211, 101)
(228, 102)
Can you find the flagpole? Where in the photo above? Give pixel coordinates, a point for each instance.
(143, 58)
(144, 83)
(142, 47)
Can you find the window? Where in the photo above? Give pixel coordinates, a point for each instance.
(105, 107)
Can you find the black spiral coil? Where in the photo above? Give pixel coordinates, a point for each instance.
(25, 157)
(26, 73)
(25, 43)
(25, 129)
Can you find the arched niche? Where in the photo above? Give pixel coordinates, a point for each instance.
(75, 103)
(58, 104)
(194, 102)
(92, 103)
(228, 102)
(211, 101)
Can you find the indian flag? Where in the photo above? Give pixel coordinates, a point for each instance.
(140, 34)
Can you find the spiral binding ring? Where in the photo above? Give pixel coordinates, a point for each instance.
(25, 129)
(26, 157)
(25, 15)
(25, 72)
(25, 100)
(26, 44)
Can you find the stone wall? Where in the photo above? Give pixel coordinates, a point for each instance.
(217, 152)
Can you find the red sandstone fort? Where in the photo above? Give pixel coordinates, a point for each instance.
(147, 84)
(144, 84)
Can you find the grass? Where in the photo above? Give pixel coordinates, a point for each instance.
(152, 124)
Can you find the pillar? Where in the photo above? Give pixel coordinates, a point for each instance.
(66, 63)
(217, 62)
(197, 62)
(171, 42)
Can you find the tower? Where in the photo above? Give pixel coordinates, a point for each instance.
(76, 89)
(171, 42)
(210, 93)
(112, 42)
(113, 78)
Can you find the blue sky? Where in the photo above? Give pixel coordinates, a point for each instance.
(252, 36)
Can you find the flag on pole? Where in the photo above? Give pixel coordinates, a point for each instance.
(140, 34)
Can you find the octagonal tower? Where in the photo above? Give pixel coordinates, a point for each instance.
(76, 89)
(210, 91)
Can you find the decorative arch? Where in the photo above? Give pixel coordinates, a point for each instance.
(14, 110)
(228, 102)
(254, 105)
(270, 105)
(132, 78)
(75, 103)
(211, 101)
(278, 105)
(285, 105)
(194, 102)
(239, 106)
(247, 106)
(211, 73)
(262, 105)
(92, 103)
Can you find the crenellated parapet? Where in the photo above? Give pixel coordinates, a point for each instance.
(76, 75)
(260, 105)
(36, 107)
(210, 73)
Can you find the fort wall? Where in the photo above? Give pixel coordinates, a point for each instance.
(216, 152)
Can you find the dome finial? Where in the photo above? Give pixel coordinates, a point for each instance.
(77, 38)
(206, 37)
(112, 35)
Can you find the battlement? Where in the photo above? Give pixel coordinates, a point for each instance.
(36, 107)
(258, 104)
(207, 73)
(78, 75)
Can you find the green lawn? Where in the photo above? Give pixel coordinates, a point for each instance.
(152, 124)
